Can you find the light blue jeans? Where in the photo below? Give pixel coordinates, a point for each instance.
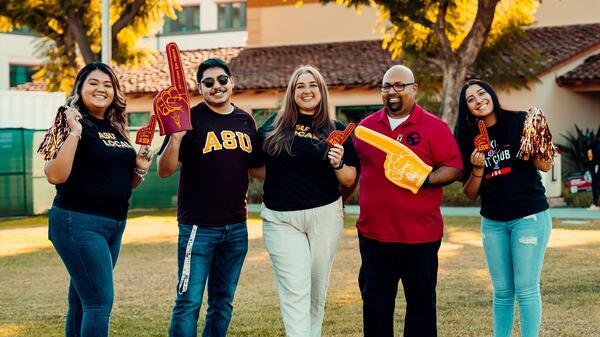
(514, 252)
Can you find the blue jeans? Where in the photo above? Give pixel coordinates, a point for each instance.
(217, 255)
(514, 251)
(88, 246)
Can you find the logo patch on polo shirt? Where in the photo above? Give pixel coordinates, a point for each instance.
(413, 138)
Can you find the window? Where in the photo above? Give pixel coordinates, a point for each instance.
(232, 15)
(355, 113)
(20, 74)
(138, 119)
(188, 20)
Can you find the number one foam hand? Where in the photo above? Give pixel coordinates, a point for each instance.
(482, 140)
(401, 166)
(144, 135)
(339, 137)
(172, 105)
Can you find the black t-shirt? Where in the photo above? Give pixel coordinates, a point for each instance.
(100, 180)
(511, 188)
(215, 157)
(306, 179)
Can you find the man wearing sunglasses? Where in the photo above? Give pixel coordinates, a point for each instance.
(400, 232)
(214, 159)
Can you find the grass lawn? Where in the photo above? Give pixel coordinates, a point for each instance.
(33, 282)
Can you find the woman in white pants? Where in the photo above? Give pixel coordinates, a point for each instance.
(303, 212)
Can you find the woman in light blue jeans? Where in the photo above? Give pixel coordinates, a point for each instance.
(516, 223)
(514, 252)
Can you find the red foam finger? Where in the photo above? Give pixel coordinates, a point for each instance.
(482, 140)
(176, 68)
(172, 105)
(339, 137)
(144, 135)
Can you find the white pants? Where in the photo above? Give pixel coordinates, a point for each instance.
(302, 245)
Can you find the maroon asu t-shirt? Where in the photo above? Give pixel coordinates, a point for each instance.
(215, 157)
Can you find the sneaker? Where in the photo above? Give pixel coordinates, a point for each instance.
(593, 208)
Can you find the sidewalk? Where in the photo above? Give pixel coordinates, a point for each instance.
(557, 213)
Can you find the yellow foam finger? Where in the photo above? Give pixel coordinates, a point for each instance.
(376, 139)
(402, 166)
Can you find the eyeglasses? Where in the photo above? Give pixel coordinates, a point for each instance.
(398, 86)
(209, 81)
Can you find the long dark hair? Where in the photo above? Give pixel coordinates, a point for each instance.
(115, 113)
(466, 125)
(283, 126)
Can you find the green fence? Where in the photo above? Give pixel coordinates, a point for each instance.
(25, 191)
(16, 176)
(155, 192)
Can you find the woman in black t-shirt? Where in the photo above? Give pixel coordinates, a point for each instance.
(302, 213)
(94, 172)
(516, 223)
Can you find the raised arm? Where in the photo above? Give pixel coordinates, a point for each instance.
(57, 170)
(168, 162)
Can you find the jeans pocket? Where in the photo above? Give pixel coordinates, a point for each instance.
(59, 222)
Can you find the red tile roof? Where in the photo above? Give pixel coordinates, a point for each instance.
(156, 77)
(586, 73)
(560, 43)
(343, 64)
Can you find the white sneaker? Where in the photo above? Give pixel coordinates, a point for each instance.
(593, 208)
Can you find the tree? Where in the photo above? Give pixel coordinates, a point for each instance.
(456, 37)
(71, 32)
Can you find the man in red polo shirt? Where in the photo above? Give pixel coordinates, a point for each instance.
(400, 232)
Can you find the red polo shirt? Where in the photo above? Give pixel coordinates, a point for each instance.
(389, 213)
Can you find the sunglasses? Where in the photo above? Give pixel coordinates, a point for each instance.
(209, 82)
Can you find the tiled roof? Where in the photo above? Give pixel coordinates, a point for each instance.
(587, 72)
(347, 64)
(343, 64)
(156, 77)
(560, 43)
(30, 86)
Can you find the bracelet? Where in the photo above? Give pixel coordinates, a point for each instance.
(140, 172)
(474, 175)
(74, 134)
(339, 167)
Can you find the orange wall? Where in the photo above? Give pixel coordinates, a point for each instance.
(567, 12)
(309, 23)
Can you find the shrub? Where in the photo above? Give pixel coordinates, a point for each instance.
(579, 199)
(576, 149)
(454, 196)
